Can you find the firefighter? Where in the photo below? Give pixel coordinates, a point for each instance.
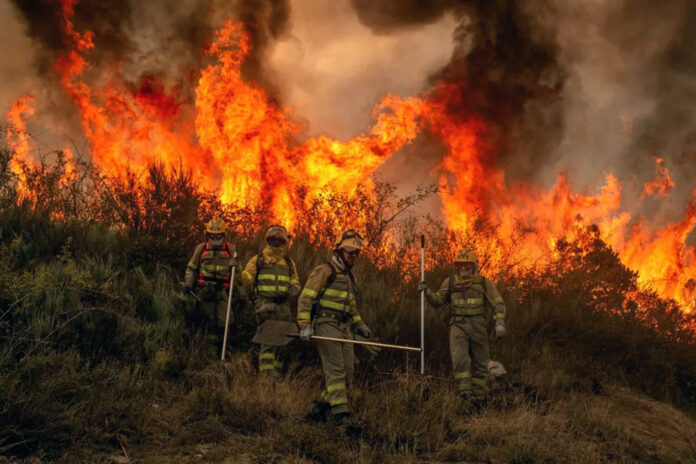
(472, 297)
(273, 278)
(208, 277)
(328, 307)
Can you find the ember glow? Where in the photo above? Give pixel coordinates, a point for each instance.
(245, 146)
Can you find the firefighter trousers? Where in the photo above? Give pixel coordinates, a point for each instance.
(470, 354)
(337, 360)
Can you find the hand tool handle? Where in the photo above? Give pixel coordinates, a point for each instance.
(422, 296)
(358, 342)
(229, 307)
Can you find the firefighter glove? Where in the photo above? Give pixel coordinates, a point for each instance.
(499, 329)
(364, 331)
(306, 333)
(233, 262)
(422, 286)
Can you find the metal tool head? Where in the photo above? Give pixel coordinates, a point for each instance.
(276, 333)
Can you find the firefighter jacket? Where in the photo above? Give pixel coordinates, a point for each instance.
(209, 266)
(272, 274)
(469, 296)
(331, 292)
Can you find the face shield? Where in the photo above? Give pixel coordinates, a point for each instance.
(216, 239)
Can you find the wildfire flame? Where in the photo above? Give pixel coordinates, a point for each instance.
(242, 144)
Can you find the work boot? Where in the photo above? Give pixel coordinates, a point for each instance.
(345, 423)
(466, 404)
(318, 411)
(478, 405)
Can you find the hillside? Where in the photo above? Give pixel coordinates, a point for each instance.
(100, 360)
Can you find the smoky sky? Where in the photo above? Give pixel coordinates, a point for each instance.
(588, 87)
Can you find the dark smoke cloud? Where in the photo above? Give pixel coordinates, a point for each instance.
(155, 40)
(505, 71)
(670, 129)
(265, 21)
(108, 21)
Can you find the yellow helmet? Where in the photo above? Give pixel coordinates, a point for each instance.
(278, 231)
(466, 256)
(350, 240)
(216, 226)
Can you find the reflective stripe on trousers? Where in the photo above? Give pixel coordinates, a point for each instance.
(337, 362)
(469, 351)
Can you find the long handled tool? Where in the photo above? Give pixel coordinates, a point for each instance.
(229, 308)
(279, 333)
(422, 324)
(359, 342)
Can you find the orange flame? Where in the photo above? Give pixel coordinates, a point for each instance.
(241, 143)
(661, 185)
(18, 139)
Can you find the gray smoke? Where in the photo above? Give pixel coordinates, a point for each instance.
(591, 87)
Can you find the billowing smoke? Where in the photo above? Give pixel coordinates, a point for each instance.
(587, 87)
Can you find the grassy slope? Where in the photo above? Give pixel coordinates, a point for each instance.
(232, 415)
(146, 385)
(97, 355)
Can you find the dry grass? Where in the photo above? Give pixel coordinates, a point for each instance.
(228, 414)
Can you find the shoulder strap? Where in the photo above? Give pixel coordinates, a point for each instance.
(291, 268)
(259, 266)
(203, 252)
(329, 281)
(352, 281)
(450, 285)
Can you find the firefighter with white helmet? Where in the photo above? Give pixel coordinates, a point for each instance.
(470, 295)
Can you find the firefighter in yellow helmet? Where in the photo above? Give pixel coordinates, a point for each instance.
(208, 276)
(328, 307)
(469, 294)
(274, 280)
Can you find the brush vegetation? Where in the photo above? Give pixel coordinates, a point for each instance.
(100, 357)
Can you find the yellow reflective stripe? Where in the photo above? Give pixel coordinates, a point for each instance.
(336, 293)
(294, 282)
(284, 278)
(267, 277)
(335, 387)
(332, 305)
(267, 356)
(468, 301)
(247, 275)
(303, 315)
(499, 316)
(282, 288)
(462, 375)
(480, 382)
(309, 292)
(266, 367)
(338, 401)
(192, 266)
(267, 288)
(438, 298)
(357, 319)
(221, 268)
